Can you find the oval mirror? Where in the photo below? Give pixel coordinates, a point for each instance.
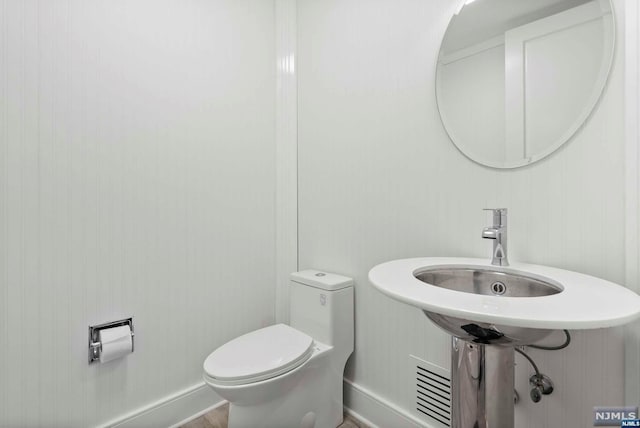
(517, 78)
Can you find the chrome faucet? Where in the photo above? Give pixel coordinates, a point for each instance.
(498, 232)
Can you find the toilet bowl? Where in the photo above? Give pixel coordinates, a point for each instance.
(286, 376)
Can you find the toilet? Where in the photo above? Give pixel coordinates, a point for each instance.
(290, 376)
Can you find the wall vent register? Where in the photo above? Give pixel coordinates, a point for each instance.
(433, 393)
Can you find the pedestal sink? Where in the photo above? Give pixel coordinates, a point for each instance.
(490, 309)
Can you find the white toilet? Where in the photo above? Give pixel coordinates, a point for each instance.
(287, 376)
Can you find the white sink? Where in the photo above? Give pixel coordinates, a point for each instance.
(545, 298)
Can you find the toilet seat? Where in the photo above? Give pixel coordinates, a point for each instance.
(258, 355)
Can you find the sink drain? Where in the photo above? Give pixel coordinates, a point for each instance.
(498, 288)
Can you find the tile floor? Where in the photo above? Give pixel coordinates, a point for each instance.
(217, 418)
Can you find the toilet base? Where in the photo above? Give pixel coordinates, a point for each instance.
(313, 401)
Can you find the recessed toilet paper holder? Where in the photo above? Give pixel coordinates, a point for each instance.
(95, 347)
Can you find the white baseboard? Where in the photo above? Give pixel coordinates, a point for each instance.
(172, 410)
(196, 400)
(376, 411)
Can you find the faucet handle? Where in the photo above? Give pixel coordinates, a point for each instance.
(499, 216)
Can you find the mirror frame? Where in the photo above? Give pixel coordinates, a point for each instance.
(596, 95)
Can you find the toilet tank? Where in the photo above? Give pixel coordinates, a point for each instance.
(321, 305)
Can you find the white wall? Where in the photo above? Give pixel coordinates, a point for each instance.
(379, 180)
(137, 178)
(632, 205)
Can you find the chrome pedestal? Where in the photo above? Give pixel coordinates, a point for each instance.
(482, 383)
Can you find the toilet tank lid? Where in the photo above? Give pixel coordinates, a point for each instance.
(322, 279)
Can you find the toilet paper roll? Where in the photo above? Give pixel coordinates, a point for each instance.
(116, 342)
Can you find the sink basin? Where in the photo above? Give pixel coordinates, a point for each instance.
(520, 304)
(487, 282)
(483, 281)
